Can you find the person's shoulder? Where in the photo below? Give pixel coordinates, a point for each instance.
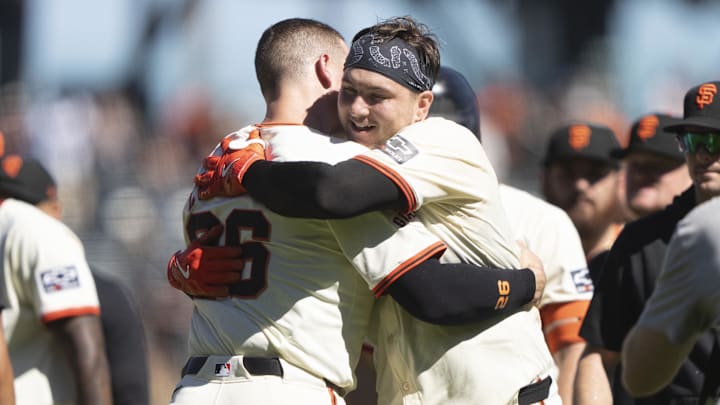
(29, 218)
(705, 215)
(534, 205)
(702, 223)
(440, 128)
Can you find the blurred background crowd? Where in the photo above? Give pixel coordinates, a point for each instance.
(123, 98)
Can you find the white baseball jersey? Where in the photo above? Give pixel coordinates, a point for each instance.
(686, 300)
(45, 278)
(550, 233)
(307, 290)
(453, 190)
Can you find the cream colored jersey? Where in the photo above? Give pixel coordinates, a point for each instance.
(453, 190)
(306, 296)
(45, 278)
(549, 232)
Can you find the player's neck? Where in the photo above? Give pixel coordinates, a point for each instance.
(602, 241)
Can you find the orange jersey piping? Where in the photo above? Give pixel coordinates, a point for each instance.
(434, 250)
(395, 177)
(54, 316)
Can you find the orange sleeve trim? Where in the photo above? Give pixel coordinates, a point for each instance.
(54, 316)
(395, 177)
(270, 124)
(436, 249)
(562, 322)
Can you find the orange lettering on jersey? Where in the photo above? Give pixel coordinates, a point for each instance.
(579, 136)
(504, 291)
(12, 165)
(647, 127)
(706, 94)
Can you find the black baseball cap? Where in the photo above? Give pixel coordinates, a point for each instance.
(455, 100)
(582, 140)
(648, 134)
(701, 109)
(25, 179)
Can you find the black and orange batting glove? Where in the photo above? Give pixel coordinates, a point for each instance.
(205, 271)
(223, 174)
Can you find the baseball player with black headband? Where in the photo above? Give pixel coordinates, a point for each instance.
(294, 326)
(433, 170)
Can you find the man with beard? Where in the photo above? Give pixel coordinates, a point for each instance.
(581, 177)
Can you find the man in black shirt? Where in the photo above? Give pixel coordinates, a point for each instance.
(631, 267)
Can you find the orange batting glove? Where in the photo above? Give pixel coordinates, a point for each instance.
(223, 175)
(204, 271)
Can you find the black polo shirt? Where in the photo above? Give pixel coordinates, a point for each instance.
(627, 277)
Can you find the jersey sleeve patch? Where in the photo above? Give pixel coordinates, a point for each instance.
(399, 149)
(60, 279)
(581, 279)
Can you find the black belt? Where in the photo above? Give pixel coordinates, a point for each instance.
(254, 366)
(535, 392)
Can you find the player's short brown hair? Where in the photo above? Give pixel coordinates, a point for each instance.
(415, 33)
(286, 48)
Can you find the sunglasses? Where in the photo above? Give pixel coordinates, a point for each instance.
(690, 142)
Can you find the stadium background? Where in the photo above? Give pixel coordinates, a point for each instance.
(122, 98)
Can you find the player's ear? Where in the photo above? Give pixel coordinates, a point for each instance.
(322, 71)
(424, 101)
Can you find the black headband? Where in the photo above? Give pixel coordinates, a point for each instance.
(394, 59)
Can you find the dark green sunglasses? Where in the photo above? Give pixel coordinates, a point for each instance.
(690, 142)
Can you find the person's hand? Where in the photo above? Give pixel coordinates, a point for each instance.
(529, 260)
(205, 271)
(223, 175)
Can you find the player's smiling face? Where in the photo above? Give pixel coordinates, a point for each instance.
(373, 107)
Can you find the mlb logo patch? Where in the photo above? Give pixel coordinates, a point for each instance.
(399, 148)
(581, 279)
(59, 279)
(223, 369)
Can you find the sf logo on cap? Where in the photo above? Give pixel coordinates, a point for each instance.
(647, 127)
(705, 95)
(579, 136)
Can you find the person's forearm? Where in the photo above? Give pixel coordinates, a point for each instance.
(455, 294)
(567, 359)
(650, 360)
(83, 339)
(592, 384)
(7, 388)
(319, 190)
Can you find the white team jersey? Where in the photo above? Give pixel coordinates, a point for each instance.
(549, 232)
(45, 277)
(307, 291)
(454, 190)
